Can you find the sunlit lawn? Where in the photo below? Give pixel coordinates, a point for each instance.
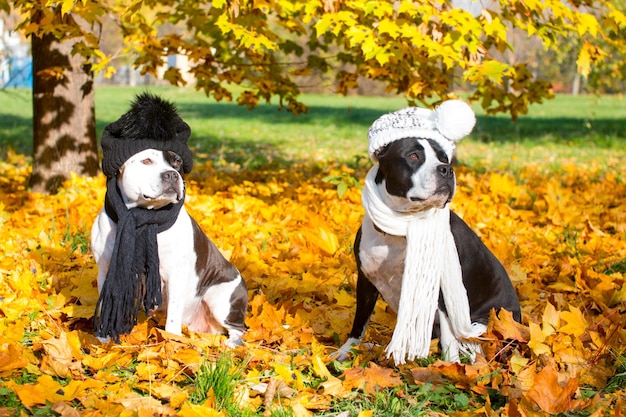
(335, 128)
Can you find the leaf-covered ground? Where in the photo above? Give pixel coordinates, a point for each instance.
(561, 234)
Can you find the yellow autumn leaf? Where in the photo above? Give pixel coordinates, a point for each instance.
(370, 379)
(133, 401)
(293, 377)
(319, 367)
(550, 319)
(11, 359)
(47, 389)
(323, 238)
(344, 298)
(332, 385)
(492, 70)
(550, 395)
(97, 362)
(584, 60)
(164, 391)
(78, 311)
(587, 23)
(618, 296)
(505, 325)
(537, 339)
(501, 185)
(518, 362)
(575, 322)
(389, 27)
(66, 6)
(60, 359)
(218, 4)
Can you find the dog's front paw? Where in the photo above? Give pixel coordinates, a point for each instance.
(471, 349)
(176, 331)
(345, 351)
(234, 339)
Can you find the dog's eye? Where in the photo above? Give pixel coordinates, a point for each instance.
(147, 161)
(414, 156)
(174, 160)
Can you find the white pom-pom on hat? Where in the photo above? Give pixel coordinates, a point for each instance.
(447, 124)
(455, 119)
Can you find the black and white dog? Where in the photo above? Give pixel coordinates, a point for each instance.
(410, 242)
(195, 284)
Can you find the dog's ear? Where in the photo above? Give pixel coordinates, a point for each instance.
(173, 159)
(379, 153)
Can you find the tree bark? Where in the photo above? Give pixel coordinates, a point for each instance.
(64, 120)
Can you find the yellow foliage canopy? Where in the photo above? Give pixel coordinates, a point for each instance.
(417, 48)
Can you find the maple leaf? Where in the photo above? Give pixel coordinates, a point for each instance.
(551, 396)
(164, 391)
(427, 375)
(505, 325)
(60, 359)
(550, 319)
(462, 375)
(502, 334)
(289, 375)
(370, 379)
(344, 299)
(525, 375)
(11, 358)
(332, 385)
(47, 389)
(537, 339)
(576, 324)
(137, 402)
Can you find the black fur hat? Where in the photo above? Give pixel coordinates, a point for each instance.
(151, 123)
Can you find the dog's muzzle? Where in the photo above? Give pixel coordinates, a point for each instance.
(172, 183)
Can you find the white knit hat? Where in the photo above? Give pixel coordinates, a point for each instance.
(447, 124)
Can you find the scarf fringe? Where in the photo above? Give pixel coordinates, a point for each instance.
(419, 295)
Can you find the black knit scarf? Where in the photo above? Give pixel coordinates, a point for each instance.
(133, 280)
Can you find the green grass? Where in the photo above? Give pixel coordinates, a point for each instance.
(217, 379)
(566, 129)
(408, 400)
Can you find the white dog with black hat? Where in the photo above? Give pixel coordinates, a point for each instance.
(150, 253)
(427, 264)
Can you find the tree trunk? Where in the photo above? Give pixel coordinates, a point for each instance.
(64, 120)
(576, 84)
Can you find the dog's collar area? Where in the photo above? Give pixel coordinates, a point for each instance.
(378, 229)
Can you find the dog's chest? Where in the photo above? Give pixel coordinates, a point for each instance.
(382, 261)
(177, 241)
(177, 253)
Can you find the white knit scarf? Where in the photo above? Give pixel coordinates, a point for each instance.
(431, 264)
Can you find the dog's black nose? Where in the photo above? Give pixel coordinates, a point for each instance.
(169, 176)
(445, 170)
